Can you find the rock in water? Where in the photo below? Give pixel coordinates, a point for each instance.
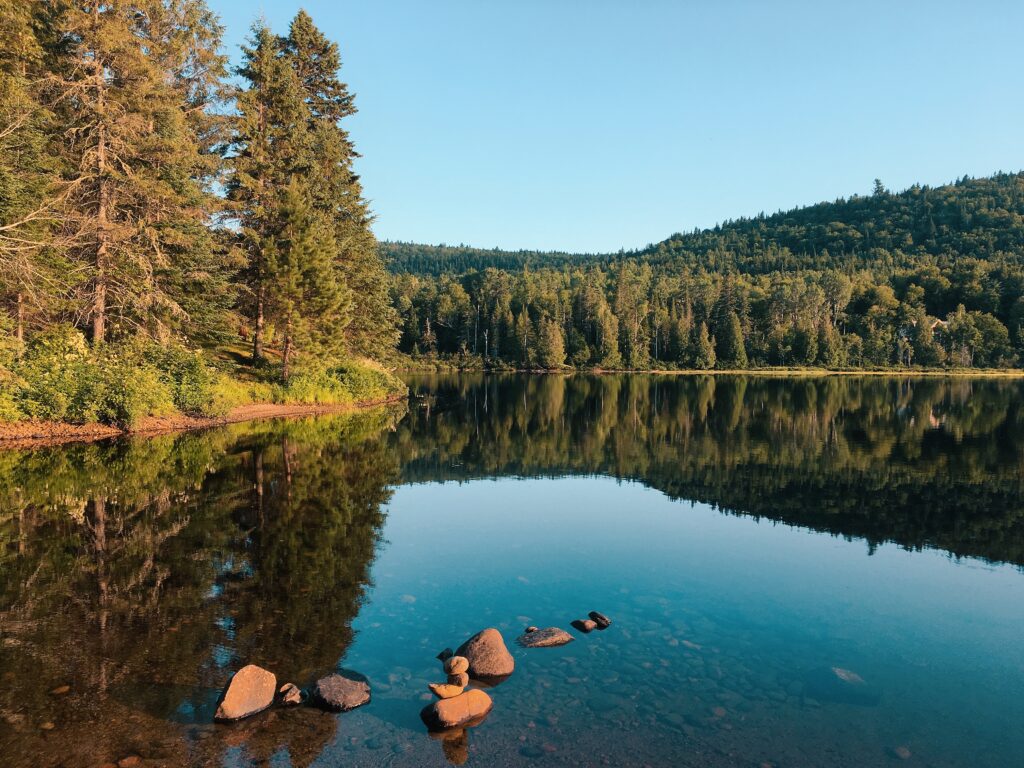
(545, 638)
(446, 654)
(445, 691)
(531, 629)
(841, 686)
(460, 679)
(290, 694)
(455, 665)
(250, 690)
(473, 705)
(487, 655)
(338, 693)
(602, 621)
(585, 625)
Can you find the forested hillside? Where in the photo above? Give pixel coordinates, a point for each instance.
(927, 277)
(172, 238)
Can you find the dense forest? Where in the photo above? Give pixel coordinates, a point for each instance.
(163, 217)
(928, 277)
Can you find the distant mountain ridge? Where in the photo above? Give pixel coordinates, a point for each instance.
(982, 218)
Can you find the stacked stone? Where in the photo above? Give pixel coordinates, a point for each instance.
(457, 669)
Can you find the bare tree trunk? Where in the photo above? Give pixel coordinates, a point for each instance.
(286, 371)
(99, 307)
(257, 336)
(19, 329)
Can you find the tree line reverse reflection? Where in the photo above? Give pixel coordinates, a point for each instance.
(923, 462)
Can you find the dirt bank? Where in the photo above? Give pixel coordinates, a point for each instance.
(34, 434)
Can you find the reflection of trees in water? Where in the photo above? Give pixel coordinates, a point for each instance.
(919, 461)
(140, 572)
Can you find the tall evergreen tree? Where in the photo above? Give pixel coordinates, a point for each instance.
(336, 189)
(128, 84)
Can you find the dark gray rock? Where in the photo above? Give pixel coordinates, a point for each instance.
(602, 621)
(545, 638)
(340, 693)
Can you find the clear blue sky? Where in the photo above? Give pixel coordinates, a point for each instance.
(599, 125)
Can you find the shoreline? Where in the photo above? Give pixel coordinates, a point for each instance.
(16, 435)
(979, 373)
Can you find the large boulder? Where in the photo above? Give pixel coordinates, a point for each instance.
(467, 708)
(250, 690)
(544, 638)
(339, 693)
(487, 655)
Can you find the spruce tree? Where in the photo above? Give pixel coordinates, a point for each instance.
(129, 84)
(704, 349)
(731, 352)
(336, 189)
(303, 295)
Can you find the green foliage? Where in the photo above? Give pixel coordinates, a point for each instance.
(61, 379)
(350, 382)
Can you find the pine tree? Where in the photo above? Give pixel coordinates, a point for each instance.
(303, 295)
(336, 189)
(704, 349)
(24, 166)
(128, 85)
(271, 146)
(731, 351)
(550, 345)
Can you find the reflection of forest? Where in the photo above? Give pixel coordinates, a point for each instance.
(921, 462)
(141, 572)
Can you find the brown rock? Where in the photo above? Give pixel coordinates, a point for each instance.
(289, 694)
(60, 690)
(602, 621)
(129, 762)
(531, 629)
(585, 625)
(445, 691)
(250, 690)
(545, 638)
(487, 655)
(446, 654)
(338, 693)
(467, 708)
(459, 678)
(456, 664)
(48, 726)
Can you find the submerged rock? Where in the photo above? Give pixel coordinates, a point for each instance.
(545, 638)
(338, 693)
(585, 625)
(487, 655)
(289, 694)
(445, 690)
(602, 621)
(840, 686)
(250, 690)
(466, 708)
(455, 665)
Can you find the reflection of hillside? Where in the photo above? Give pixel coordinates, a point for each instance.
(141, 572)
(920, 462)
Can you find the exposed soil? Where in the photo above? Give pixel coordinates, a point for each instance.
(37, 434)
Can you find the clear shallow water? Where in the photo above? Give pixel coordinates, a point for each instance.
(746, 536)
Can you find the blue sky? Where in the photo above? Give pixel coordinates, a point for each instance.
(594, 126)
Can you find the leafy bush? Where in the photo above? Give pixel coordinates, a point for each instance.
(350, 382)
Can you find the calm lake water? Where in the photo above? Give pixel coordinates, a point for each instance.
(801, 572)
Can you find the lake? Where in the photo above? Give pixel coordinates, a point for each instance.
(800, 572)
